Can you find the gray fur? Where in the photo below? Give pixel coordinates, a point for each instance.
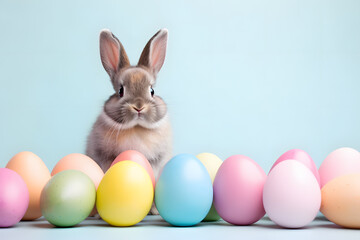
(120, 126)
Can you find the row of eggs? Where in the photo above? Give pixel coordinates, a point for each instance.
(190, 189)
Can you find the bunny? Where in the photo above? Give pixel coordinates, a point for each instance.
(134, 117)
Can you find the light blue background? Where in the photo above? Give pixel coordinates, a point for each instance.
(240, 77)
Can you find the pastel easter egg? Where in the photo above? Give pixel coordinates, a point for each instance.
(300, 156)
(292, 195)
(125, 194)
(341, 200)
(35, 174)
(212, 163)
(81, 162)
(14, 197)
(340, 162)
(68, 198)
(184, 192)
(238, 189)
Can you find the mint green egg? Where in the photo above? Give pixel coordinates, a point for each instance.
(68, 198)
(212, 215)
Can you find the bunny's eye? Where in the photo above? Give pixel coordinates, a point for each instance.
(152, 91)
(121, 91)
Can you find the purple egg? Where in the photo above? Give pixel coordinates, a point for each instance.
(14, 197)
(302, 157)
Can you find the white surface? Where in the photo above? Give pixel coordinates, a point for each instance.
(153, 227)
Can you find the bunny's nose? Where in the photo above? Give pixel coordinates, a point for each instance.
(138, 109)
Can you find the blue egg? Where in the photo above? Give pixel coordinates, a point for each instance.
(184, 192)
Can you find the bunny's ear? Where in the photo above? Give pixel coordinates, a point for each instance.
(153, 55)
(112, 53)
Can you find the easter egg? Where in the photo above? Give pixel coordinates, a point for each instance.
(137, 157)
(81, 162)
(125, 194)
(238, 189)
(184, 192)
(35, 174)
(291, 195)
(300, 156)
(340, 200)
(212, 164)
(14, 197)
(340, 162)
(68, 198)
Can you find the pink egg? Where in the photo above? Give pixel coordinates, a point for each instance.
(137, 157)
(238, 188)
(340, 162)
(14, 197)
(292, 195)
(300, 156)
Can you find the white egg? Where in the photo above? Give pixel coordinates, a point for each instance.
(292, 195)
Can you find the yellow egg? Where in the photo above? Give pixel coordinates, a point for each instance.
(81, 162)
(340, 201)
(125, 194)
(212, 164)
(35, 174)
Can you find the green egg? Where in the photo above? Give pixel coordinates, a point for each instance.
(68, 198)
(212, 215)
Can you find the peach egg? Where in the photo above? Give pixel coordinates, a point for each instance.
(341, 201)
(35, 174)
(81, 162)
